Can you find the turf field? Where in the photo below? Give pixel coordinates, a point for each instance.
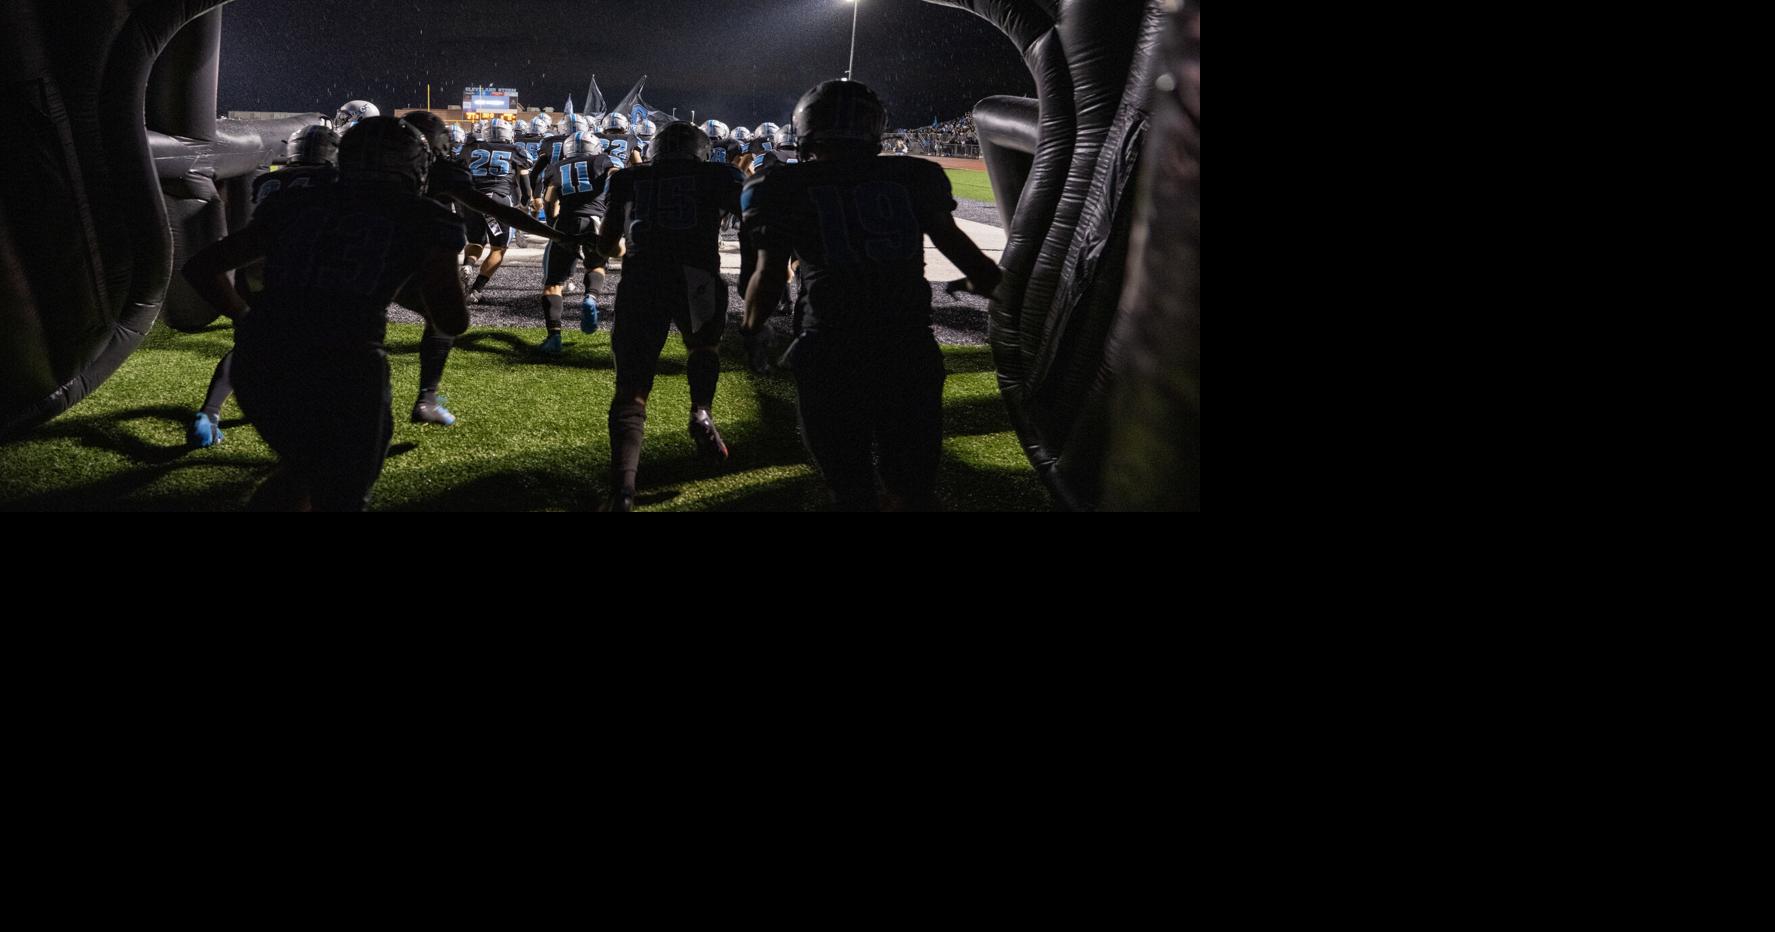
(531, 436)
(970, 184)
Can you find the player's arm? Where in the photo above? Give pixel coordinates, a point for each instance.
(507, 214)
(208, 270)
(441, 287)
(982, 273)
(551, 196)
(610, 244)
(524, 194)
(765, 290)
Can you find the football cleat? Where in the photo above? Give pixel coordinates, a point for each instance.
(552, 345)
(709, 444)
(204, 432)
(432, 412)
(620, 500)
(588, 315)
(473, 297)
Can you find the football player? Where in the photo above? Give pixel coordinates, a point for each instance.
(458, 138)
(451, 183)
(868, 373)
(311, 368)
(619, 144)
(575, 194)
(644, 133)
(671, 210)
(722, 148)
(501, 170)
(311, 158)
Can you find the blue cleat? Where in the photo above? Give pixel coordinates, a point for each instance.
(588, 315)
(204, 432)
(551, 346)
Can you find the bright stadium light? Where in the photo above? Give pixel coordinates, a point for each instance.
(856, 8)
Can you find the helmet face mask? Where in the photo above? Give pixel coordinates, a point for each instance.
(740, 134)
(767, 131)
(715, 130)
(500, 131)
(840, 112)
(681, 141)
(647, 129)
(615, 124)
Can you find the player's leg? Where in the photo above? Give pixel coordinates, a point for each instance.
(635, 342)
(702, 338)
(595, 277)
(831, 401)
(354, 436)
(908, 421)
(557, 268)
(475, 228)
(206, 427)
(434, 352)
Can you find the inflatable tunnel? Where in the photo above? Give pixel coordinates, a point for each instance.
(1096, 331)
(122, 170)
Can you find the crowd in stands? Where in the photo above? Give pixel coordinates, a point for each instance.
(954, 139)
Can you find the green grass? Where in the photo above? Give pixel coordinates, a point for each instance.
(972, 185)
(531, 436)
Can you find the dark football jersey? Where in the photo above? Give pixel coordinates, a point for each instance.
(495, 167)
(618, 148)
(858, 227)
(335, 255)
(550, 153)
(295, 176)
(674, 213)
(584, 183)
(533, 145)
(726, 152)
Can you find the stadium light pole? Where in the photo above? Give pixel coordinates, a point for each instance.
(856, 8)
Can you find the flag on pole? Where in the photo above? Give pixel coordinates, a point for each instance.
(568, 115)
(594, 97)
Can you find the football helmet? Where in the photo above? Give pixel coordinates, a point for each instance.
(312, 145)
(586, 143)
(647, 129)
(786, 138)
(581, 123)
(615, 124)
(715, 130)
(740, 134)
(540, 126)
(500, 131)
(767, 131)
(457, 136)
(384, 148)
(840, 111)
(681, 141)
(433, 129)
(354, 112)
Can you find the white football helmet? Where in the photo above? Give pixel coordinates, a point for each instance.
(500, 131)
(716, 130)
(457, 135)
(540, 126)
(351, 113)
(786, 138)
(767, 131)
(615, 124)
(647, 129)
(740, 134)
(581, 123)
(578, 144)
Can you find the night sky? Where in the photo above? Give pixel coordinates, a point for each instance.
(739, 61)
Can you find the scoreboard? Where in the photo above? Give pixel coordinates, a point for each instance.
(490, 99)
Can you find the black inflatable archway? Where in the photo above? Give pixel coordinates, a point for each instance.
(1096, 331)
(1102, 382)
(100, 206)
